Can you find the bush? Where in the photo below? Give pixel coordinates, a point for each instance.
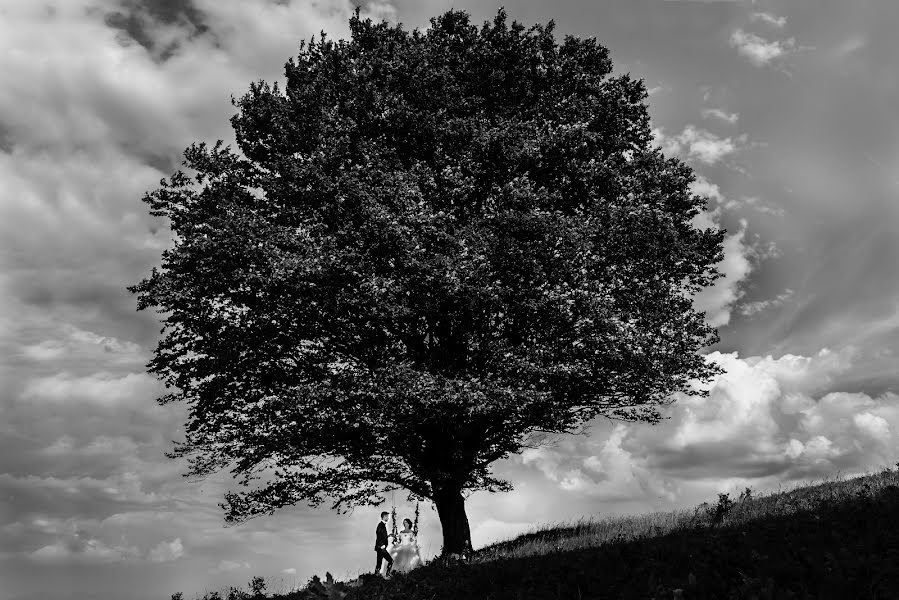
(257, 587)
(720, 511)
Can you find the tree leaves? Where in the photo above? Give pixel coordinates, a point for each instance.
(431, 246)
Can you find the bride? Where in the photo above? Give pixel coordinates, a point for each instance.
(405, 551)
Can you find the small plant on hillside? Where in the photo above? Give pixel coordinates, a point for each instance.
(257, 587)
(722, 509)
(864, 491)
(237, 594)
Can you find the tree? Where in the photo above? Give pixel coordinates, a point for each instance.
(433, 249)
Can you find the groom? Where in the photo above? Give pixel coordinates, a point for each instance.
(381, 545)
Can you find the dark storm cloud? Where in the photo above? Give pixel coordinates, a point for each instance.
(135, 19)
(170, 11)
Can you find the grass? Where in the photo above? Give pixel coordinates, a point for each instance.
(835, 539)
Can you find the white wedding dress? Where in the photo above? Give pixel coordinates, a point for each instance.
(405, 552)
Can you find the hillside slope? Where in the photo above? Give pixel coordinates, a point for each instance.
(838, 539)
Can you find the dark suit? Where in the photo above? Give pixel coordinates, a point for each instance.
(380, 543)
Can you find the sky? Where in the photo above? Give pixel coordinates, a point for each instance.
(787, 110)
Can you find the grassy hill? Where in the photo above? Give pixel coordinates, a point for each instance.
(836, 539)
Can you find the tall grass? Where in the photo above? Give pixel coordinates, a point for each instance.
(747, 507)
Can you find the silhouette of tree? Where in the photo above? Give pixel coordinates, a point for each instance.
(434, 249)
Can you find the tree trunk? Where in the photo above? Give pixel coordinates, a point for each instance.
(451, 510)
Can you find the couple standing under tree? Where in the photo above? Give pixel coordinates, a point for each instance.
(404, 554)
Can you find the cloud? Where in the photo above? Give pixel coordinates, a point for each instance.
(167, 551)
(850, 46)
(229, 565)
(82, 542)
(703, 187)
(80, 550)
(753, 412)
(86, 496)
(101, 389)
(100, 446)
(83, 135)
(769, 19)
(87, 346)
(254, 34)
(759, 50)
(92, 410)
(75, 541)
(109, 93)
(87, 133)
(717, 301)
(698, 144)
(766, 421)
(749, 309)
(611, 472)
(658, 89)
(755, 203)
(717, 113)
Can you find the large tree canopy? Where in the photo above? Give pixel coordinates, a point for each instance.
(431, 247)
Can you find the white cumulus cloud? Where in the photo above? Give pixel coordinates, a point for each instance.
(230, 565)
(717, 301)
(698, 144)
(722, 115)
(768, 421)
(769, 19)
(759, 50)
(167, 551)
